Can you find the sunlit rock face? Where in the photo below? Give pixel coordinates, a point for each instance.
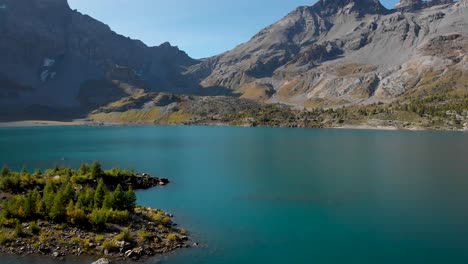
(409, 5)
(341, 52)
(334, 7)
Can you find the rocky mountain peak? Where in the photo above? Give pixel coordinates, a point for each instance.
(345, 52)
(362, 7)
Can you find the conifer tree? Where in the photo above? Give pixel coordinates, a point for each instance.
(48, 197)
(96, 170)
(99, 195)
(58, 210)
(119, 198)
(68, 192)
(5, 171)
(108, 201)
(130, 200)
(84, 169)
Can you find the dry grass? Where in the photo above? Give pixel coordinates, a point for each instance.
(255, 91)
(178, 118)
(436, 82)
(289, 89)
(130, 116)
(353, 68)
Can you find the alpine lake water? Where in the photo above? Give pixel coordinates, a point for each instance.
(266, 195)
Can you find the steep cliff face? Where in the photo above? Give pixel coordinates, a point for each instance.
(340, 52)
(56, 55)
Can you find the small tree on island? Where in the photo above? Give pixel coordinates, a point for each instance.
(96, 170)
(100, 194)
(5, 171)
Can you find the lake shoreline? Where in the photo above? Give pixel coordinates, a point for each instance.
(51, 123)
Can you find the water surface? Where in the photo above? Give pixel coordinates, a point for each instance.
(261, 195)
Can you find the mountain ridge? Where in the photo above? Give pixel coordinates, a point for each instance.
(295, 60)
(332, 54)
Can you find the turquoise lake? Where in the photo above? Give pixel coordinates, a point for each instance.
(264, 195)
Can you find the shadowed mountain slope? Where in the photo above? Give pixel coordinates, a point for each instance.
(54, 56)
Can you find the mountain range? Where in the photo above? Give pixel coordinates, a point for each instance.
(335, 53)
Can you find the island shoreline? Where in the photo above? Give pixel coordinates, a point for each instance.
(102, 218)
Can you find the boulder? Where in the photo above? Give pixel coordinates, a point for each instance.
(163, 181)
(102, 261)
(124, 246)
(134, 253)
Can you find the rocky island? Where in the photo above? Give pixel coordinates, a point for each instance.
(89, 211)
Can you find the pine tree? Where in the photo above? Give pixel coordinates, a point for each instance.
(38, 172)
(68, 192)
(96, 170)
(84, 169)
(130, 200)
(70, 208)
(58, 210)
(119, 198)
(30, 204)
(40, 208)
(48, 197)
(108, 201)
(5, 171)
(99, 195)
(24, 171)
(79, 204)
(88, 199)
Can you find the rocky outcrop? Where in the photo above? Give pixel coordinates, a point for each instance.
(409, 5)
(340, 7)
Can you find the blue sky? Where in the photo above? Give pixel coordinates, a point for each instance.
(202, 28)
